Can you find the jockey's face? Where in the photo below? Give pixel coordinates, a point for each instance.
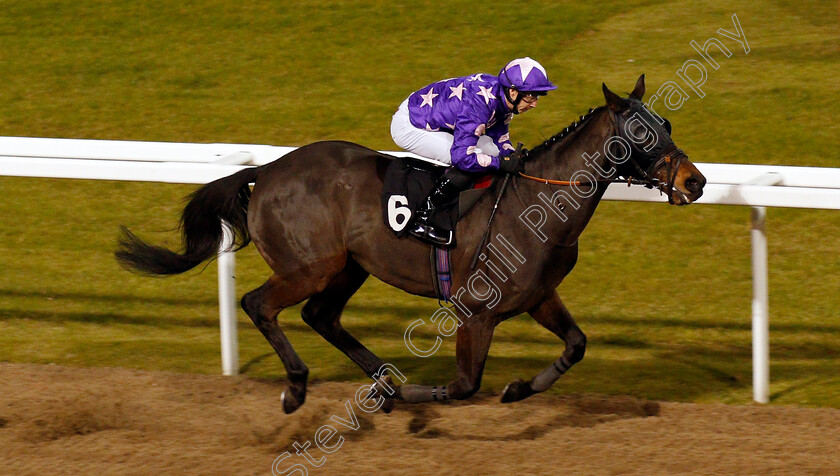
(528, 102)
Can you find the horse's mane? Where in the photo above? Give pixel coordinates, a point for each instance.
(564, 133)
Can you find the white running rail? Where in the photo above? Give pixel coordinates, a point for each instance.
(756, 186)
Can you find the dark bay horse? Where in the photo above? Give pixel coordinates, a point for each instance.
(315, 218)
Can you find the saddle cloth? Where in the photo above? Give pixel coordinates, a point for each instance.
(408, 182)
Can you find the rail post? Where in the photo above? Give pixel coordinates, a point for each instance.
(760, 320)
(227, 304)
(760, 300)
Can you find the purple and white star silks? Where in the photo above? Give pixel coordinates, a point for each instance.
(483, 159)
(428, 97)
(486, 93)
(467, 107)
(457, 92)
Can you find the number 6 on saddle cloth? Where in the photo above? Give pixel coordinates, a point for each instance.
(407, 184)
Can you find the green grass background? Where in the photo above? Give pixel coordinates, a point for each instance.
(664, 294)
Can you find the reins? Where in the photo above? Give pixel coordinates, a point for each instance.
(567, 183)
(649, 180)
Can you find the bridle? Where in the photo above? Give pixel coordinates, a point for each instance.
(672, 161)
(668, 155)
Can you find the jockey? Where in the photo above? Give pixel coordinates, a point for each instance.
(464, 122)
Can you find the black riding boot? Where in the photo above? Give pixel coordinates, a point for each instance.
(444, 191)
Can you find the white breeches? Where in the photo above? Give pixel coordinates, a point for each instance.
(433, 145)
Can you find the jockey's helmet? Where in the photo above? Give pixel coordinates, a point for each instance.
(525, 74)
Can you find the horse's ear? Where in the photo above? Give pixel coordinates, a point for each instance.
(639, 90)
(614, 102)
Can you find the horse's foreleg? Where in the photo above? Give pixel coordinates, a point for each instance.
(554, 316)
(471, 347)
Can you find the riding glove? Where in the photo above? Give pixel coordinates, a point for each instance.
(512, 164)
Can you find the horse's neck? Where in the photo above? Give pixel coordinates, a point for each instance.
(564, 159)
(581, 157)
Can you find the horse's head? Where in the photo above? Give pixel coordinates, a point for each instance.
(646, 150)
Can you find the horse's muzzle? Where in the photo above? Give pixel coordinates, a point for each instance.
(688, 183)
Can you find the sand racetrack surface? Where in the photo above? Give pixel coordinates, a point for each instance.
(61, 420)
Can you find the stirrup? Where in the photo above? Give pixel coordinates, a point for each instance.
(432, 235)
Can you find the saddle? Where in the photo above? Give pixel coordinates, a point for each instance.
(408, 182)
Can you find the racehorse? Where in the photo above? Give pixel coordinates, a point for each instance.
(315, 217)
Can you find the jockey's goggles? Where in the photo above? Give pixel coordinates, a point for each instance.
(531, 97)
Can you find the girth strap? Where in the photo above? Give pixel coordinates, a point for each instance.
(441, 273)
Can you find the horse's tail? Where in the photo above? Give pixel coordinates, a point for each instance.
(224, 200)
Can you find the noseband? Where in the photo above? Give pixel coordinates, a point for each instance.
(673, 167)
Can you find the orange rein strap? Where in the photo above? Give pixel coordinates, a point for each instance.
(552, 182)
(576, 183)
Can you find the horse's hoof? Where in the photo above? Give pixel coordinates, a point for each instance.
(515, 391)
(378, 390)
(290, 401)
(388, 405)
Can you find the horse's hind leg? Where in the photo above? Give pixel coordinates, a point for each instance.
(323, 313)
(263, 305)
(553, 315)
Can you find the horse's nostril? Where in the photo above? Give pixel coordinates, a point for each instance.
(694, 184)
